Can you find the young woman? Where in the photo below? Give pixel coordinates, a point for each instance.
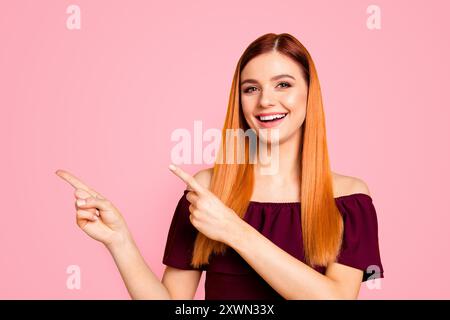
(303, 232)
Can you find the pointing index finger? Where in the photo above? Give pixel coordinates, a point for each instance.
(77, 183)
(187, 178)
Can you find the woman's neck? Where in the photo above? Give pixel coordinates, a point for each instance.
(288, 169)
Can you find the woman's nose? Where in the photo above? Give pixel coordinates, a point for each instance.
(267, 99)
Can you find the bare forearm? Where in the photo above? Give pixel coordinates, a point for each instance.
(140, 281)
(290, 277)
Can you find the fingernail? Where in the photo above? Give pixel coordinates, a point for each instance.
(172, 167)
(81, 202)
(95, 218)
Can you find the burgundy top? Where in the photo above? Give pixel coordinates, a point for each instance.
(231, 277)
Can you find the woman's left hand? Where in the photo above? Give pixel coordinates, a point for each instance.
(209, 215)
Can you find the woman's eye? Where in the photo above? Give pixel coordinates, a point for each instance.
(248, 89)
(286, 83)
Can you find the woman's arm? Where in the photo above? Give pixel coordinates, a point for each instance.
(109, 227)
(182, 284)
(291, 278)
(287, 275)
(140, 281)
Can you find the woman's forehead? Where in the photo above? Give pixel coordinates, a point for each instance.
(266, 66)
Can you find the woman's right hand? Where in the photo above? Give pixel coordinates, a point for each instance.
(98, 218)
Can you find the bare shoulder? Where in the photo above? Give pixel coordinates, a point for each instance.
(204, 177)
(345, 185)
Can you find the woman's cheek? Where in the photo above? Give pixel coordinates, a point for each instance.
(295, 99)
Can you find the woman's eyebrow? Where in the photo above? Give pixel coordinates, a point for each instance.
(273, 78)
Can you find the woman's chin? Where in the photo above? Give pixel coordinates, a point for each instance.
(270, 140)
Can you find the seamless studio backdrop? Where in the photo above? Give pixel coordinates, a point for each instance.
(100, 97)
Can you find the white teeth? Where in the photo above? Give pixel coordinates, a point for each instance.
(272, 117)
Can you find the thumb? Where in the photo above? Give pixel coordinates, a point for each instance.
(91, 202)
(82, 194)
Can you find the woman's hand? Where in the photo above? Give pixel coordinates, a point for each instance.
(209, 214)
(97, 217)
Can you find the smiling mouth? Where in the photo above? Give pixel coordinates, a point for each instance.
(271, 117)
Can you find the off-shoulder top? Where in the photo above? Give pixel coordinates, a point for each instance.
(229, 276)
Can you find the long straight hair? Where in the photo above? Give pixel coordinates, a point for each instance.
(232, 183)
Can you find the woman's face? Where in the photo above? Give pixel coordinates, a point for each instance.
(274, 95)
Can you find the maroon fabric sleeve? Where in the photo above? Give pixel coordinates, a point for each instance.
(180, 238)
(360, 248)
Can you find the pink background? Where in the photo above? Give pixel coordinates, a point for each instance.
(102, 102)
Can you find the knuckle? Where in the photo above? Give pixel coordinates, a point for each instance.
(193, 210)
(80, 213)
(194, 201)
(201, 204)
(204, 204)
